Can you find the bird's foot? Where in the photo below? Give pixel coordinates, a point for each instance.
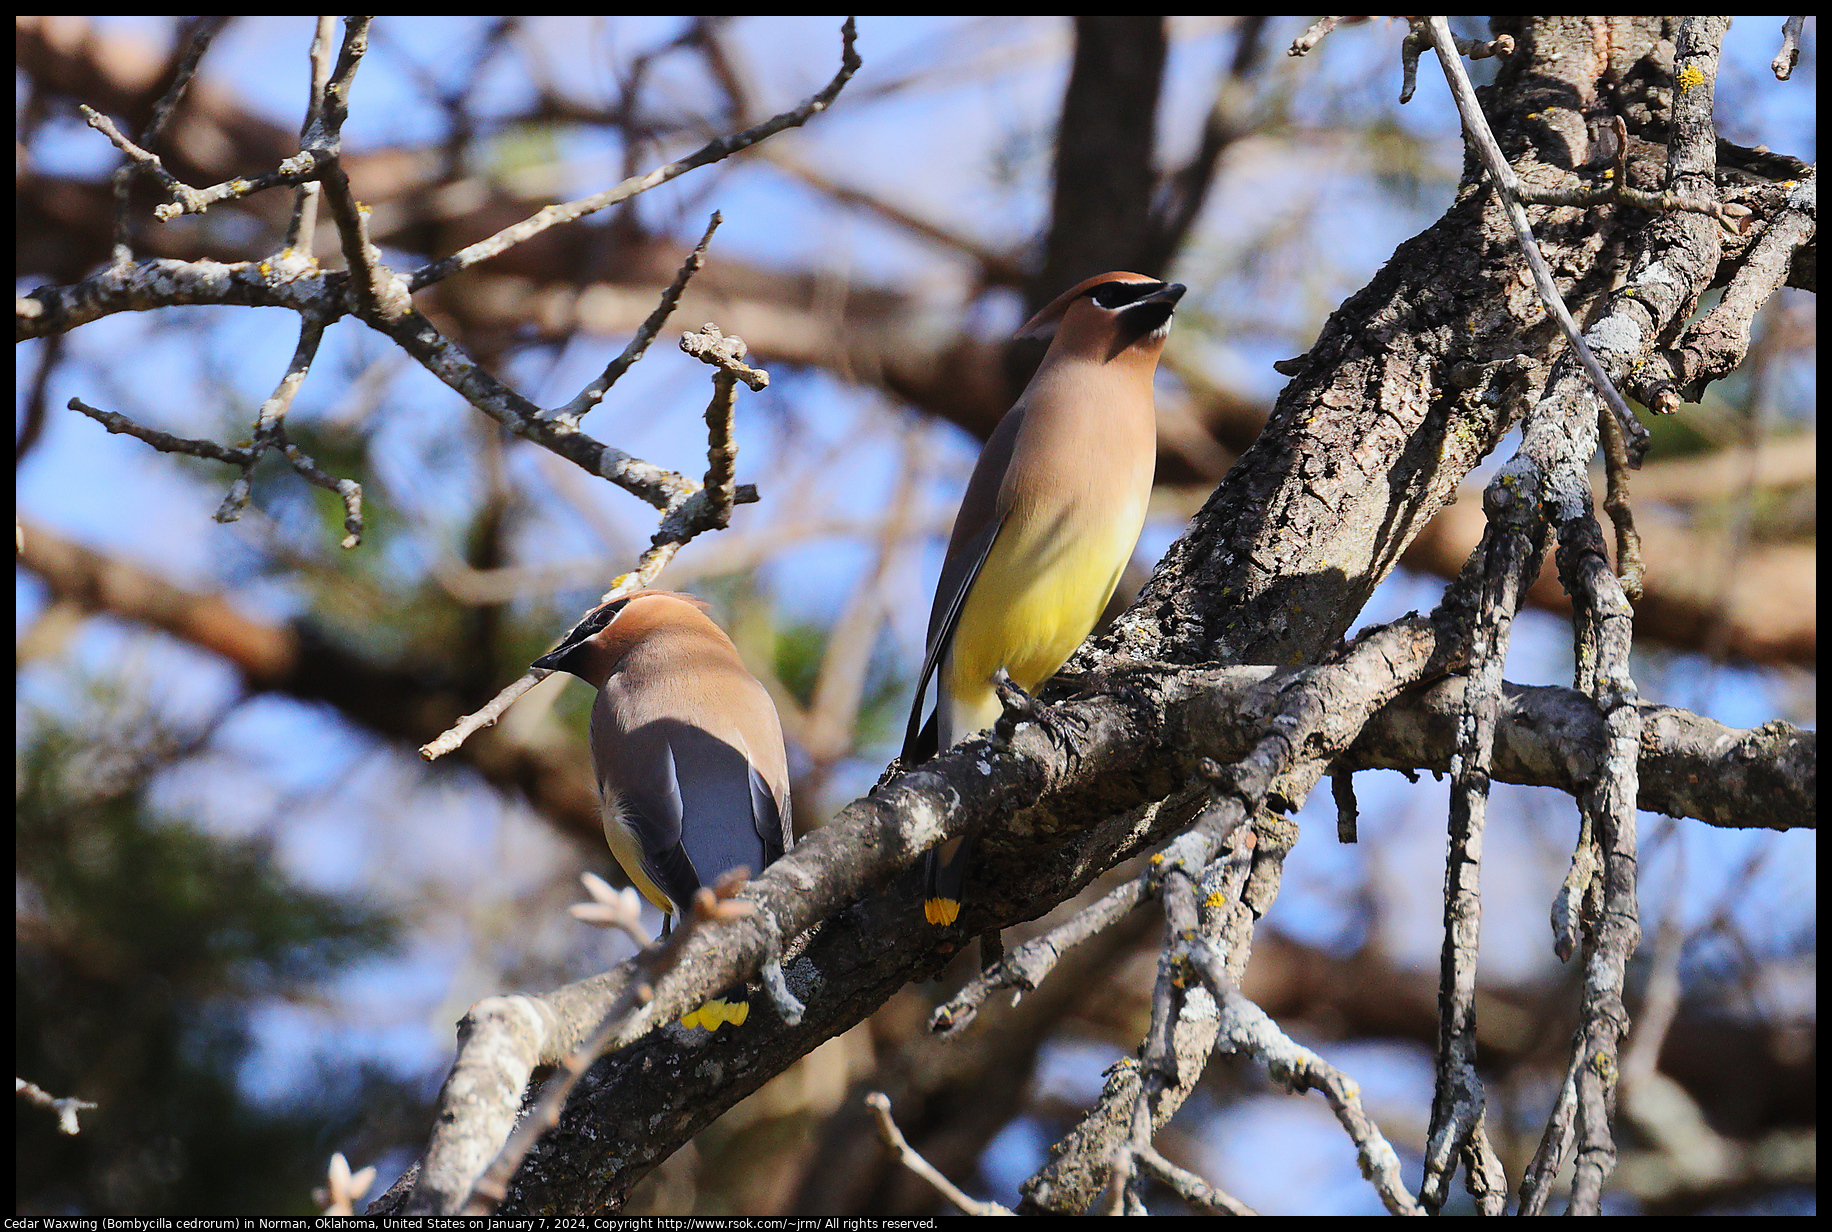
(1019, 706)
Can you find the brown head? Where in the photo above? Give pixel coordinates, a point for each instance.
(1108, 316)
(600, 642)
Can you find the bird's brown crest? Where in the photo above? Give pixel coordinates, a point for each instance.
(1051, 313)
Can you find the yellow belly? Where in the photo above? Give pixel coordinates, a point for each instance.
(1034, 602)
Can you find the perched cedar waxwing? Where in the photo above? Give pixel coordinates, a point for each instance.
(688, 751)
(1049, 520)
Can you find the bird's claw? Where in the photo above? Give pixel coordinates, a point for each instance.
(1019, 706)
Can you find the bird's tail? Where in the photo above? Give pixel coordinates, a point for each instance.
(946, 869)
(734, 1007)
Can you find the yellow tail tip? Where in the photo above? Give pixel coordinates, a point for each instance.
(716, 1013)
(941, 911)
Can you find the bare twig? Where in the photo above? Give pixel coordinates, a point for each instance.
(1190, 1187)
(711, 152)
(1505, 564)
(1716, 344)
(270, 433)
(1789, 55)
(66, 1107)
(1306, 42)
(1025, 967)
(201, 32)
(691, 510)
(1246, 1028)
(455, 736)
(1731, 216)
(593, 393)
(726, 354)
(651, 563)
(191, 200)
(1507, 185)
(1629, 566)
(302, 227)
(1603, 644)
(1415, 42)
(164, 442)
(880, 1105)
(378, 295)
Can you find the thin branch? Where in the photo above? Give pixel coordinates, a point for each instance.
(1629, 566)
(1415, 42)
(1789, 55)
(1507, 185)
(690, 511)
(190, 200)
(726, 354)
(711, 152)
(270, 433)
(1186, 190)
(1604, 638)
(1248, 1029)
(1028, 965)
(1504, 565)
(1718, 343)
(648, 565)
(66, 1107)
(1296, 739)
(164, 442)
(378, 295)
(1190, 1187)
(1619, 192)
(593, 393)
(1319, 29)
(880, 1105)
(202, 31)
(302, 228)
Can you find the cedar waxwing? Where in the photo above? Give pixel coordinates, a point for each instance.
(1048, 522)
(688, 752)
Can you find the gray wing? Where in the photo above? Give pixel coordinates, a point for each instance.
(976, 528)
(725, 816)
(640, 769)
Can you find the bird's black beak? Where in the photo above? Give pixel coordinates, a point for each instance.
(1148, 316)
(556, 659)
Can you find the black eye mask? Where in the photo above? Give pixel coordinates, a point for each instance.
(592, 624)
(1119, 294)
